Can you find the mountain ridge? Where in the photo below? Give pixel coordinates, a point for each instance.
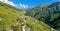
(48, 14)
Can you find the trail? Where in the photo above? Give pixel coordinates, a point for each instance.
(24, 27)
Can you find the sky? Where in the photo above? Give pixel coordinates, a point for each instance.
(28, 3)
(32, 2)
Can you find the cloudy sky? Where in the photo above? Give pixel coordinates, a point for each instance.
(27, 3)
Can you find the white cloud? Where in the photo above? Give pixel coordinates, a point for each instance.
(23, 6)
(8, 2)
(1, 0)
(11, 3)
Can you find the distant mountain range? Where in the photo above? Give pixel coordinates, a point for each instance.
(48, 13)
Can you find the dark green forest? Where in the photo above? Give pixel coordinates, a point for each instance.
(48, 13)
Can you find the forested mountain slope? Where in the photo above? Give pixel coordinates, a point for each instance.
(49, 14)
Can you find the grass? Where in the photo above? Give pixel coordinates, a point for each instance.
(35, 26)
(9, 17)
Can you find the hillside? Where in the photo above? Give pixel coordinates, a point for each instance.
(49, 14)
(8, 16)
(12, 19)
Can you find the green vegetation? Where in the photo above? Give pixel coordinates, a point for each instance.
(49, 14)
(9, 16)
(36, 26)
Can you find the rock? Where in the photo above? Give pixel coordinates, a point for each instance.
(0, 19)
(27, 29)
(13, 28)
(52, 29)
(42, 22)
(10, 30)
(23, 28)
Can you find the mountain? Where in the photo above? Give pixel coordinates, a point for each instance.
(48, 13)
(14, 19)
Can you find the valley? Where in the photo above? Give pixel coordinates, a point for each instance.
(37, 19)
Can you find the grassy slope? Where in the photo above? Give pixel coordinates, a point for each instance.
(9, 16)
(37, 26)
